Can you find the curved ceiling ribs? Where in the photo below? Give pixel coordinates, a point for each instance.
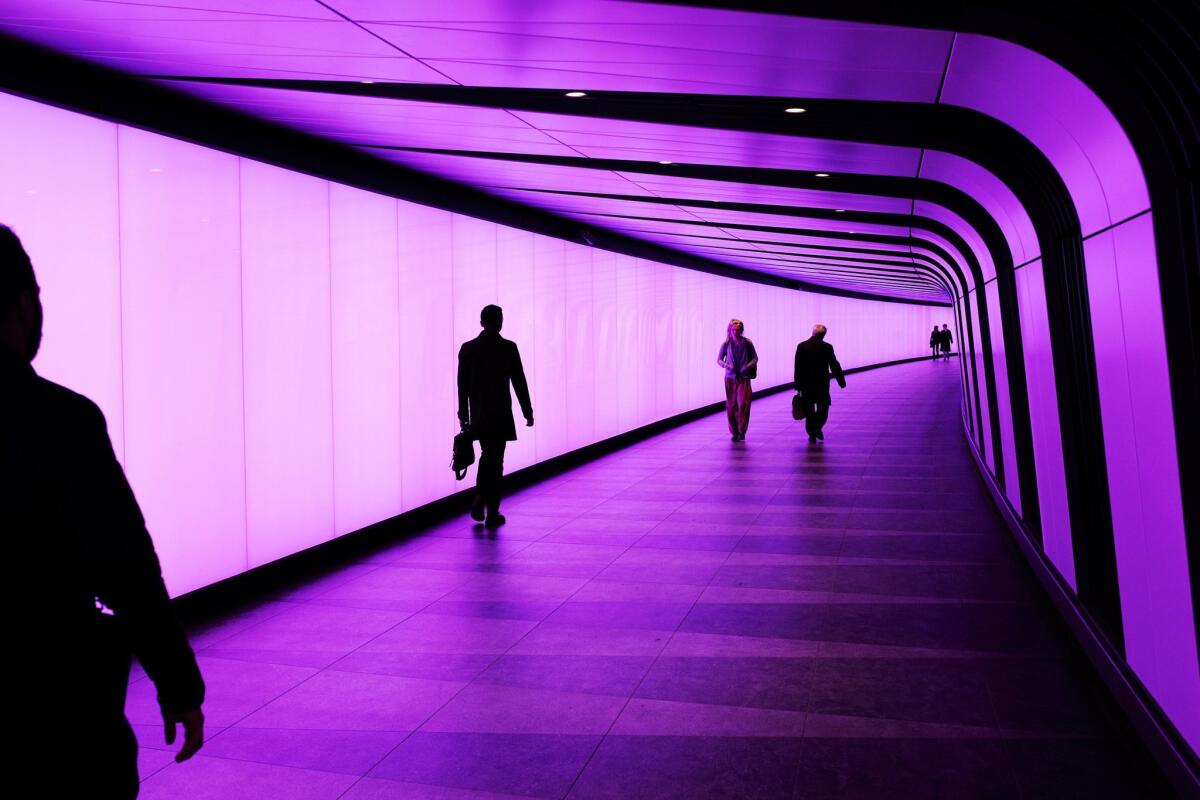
(856, 160)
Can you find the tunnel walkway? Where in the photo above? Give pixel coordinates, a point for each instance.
(687, 618)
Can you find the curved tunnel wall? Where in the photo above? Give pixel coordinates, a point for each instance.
(1069, 381)
(1156, 632)
(275, 353)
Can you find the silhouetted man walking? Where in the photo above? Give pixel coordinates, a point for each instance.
(815, 364)
(947, 339)
(88, 588)
(486, 366)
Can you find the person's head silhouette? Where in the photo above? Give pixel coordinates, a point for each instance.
(819, 331)
(736, 329)
(492, 318)
(20, 308)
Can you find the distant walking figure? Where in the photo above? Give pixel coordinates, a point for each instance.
(946, 340)
(486, 366)
(89, 589)
(739, 359)
(935, 341)
(815, 364)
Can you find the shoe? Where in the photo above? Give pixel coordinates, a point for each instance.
(733, 438)
(477, 510)
(495, 520)
(821, 436)
(811, 439)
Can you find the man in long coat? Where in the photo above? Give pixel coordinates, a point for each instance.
(87, 592)
(815, 365)
(487, 365)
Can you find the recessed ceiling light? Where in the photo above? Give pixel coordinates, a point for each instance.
(156, 169)
(576, 94)
(822, 174)
(795, 110)
(666, 162)
(366, 81)
(839, 211)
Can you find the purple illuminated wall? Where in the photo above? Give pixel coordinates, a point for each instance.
(275, 352)
(1097, 163)
(303, 271)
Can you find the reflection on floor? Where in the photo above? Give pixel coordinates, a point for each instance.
(689, 618)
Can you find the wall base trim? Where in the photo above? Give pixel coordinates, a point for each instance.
(1160, 736)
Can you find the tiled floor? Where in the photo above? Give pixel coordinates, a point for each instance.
(687, 618)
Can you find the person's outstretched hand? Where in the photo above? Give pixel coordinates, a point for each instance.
(193, 732)
(529, 422)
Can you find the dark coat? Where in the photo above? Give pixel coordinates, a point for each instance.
(945, 337)
(815, 364)
(73, 535)
(486, 366)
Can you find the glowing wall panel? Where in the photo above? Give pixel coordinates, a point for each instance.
(288, 359)
(1007, 448)
(473, 259)
(975, 352)
(366, 345)
(182, 319)
(966, 364)
(549, 354)
(428, 400)
(59, 193)
(515, 294)
(1143, 479)
(607, 362)
(1043, 420)
(579, 345)
(644, 353)
(665, 356)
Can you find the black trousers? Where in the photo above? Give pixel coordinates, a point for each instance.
(103, 762)
(491, 470)
(818, 414)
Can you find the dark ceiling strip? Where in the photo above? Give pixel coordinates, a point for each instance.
(812, 246)
(881, 268)
(902, 260)
(909, 280)
(884, 269)
(946, 261)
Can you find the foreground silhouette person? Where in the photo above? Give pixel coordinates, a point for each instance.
(486, 366)
(739, 359)
(947, 338)
(815, 365)
(84, 573)
(935, 340)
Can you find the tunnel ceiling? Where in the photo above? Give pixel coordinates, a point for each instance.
(711, 132)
